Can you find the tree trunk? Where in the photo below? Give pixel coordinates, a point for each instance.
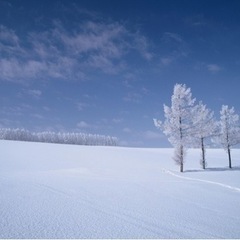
(181, 147)
(181, 158)
(229, 158)
(181, 167)
(203, 155)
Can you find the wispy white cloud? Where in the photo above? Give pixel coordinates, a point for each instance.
(104, 64)
(143, 45)
(136, 96)
(166, 60)
(213, 68)
(178, 48)
(83, 105)
(16, 70)
(132, 97)
(127, 130)
(37, 115)
(5, 122)
(145, 91)
(47, 109)
(35, 93)
(117, 120)
(63, 53)
(83, 124)
(152, 135)
(169, 36)
(196, 20)
(8, 36)
(13, 111)
(103, 38)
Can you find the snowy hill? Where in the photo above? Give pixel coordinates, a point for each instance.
(64, 191)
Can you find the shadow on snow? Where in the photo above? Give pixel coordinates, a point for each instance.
(215, 169)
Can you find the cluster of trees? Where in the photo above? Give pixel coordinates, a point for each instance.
(52, 137)
(191, 124)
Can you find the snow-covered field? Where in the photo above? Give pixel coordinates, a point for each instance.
(64, 191)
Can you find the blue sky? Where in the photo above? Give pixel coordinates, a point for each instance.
(107, 67)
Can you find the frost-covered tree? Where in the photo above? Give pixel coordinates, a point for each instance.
(52, 137)
(178, 122)
(229, 127)
(204, 127)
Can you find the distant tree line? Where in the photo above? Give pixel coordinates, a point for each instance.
(53, 137)
(190, 124)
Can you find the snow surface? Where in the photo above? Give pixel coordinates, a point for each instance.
(64, 191)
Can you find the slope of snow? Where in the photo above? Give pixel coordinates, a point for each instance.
(64, 191)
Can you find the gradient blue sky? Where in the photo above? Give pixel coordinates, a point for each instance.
(107, 67)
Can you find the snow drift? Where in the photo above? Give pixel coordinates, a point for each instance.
(65, 191)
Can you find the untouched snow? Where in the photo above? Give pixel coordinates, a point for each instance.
(63, 191)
